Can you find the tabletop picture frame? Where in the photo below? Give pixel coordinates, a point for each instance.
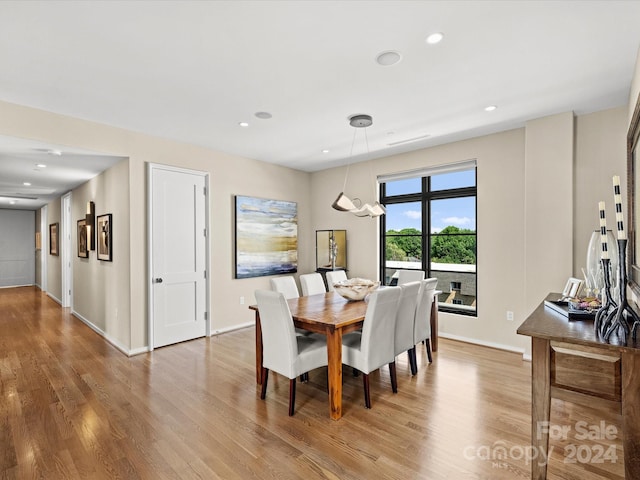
(104, 228)
(54, 228)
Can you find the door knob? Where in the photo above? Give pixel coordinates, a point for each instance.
(157, 280)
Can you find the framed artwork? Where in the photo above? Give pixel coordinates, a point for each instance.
(53, 239)
(266, 237)
(104, 228)
(83, 251)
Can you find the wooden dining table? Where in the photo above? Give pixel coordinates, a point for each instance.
(331, 315)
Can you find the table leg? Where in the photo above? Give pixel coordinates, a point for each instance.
(631, 414)
(540, 405)
(258, 349)
(334, 357)
(434, 324)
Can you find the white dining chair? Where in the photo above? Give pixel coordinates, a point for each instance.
(422, 324)
(285, 285)
(283, 351)
(406, 276)
(333, 277)
(405, 318)
(312, 284)
(374, 347)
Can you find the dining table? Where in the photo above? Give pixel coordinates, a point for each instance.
(332, 315)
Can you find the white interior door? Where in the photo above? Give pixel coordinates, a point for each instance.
(178, 255)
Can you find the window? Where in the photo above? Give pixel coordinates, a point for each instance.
(430, 225)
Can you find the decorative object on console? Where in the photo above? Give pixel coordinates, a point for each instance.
(616, 318)
(355, 289)
(344, 203)
(331, 250)
(594, 277)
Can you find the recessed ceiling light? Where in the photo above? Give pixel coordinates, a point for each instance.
(12, 202)
(243, 124)
(435, 38)
(263, 115)
(41, 165)
(490, 108)
(325, 151)
(57, 153)
(26, 184)
(388, 58)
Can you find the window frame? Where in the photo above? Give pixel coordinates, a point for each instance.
(425, 197)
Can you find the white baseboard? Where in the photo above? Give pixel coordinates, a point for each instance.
(55, 299)
(231, 329)
(475, 341)
(108, 338)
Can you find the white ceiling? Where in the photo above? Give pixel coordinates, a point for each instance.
(191, 71)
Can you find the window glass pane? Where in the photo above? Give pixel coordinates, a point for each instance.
(402, 187)
(453, 251)
(403, 239)
(446, 181)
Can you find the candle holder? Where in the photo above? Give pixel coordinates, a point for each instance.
(608, 304)
(621, 319)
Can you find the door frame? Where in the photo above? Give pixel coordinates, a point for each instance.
(151, 167)
(65, 248)
(44, 251)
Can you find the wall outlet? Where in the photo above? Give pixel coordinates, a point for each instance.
(510, 316)
(241, 300)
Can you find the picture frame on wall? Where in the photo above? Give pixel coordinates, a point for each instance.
(83, 250)
(266, 237)
(104, 229)
(53, 239)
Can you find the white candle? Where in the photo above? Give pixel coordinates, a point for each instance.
(618, 201)
(603, 232)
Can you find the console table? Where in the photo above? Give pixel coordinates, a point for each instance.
(570, 363)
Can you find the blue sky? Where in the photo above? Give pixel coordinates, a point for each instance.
(459, 212)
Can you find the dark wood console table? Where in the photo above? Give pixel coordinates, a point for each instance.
(570, 363)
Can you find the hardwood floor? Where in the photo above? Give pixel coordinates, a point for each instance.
(72, 406)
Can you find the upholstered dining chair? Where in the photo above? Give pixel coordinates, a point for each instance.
(333, 277)
(406, 276)
(285, 285)
(374, 347)
(422, 325)
(312, 284)
(283, 351)
(405, 318)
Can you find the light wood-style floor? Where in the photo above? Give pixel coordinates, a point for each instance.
(72, 406)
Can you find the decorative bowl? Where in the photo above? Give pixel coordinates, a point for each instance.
(355, 289)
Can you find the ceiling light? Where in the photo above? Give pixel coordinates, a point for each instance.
(41, 165)
(325, 151)
(26, 184)
(12, 202)
(243, 124)
(490, 108)
(435, 38)
(344, 203)
(263, 115)
(388, 58)
(57, 153)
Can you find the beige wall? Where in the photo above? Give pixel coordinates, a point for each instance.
(101, 289)
(502, 215)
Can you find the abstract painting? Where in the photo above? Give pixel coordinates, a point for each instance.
(266, 237)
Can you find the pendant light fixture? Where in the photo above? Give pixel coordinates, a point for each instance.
(355, 206)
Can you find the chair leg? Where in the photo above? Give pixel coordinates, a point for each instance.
(413, 363)
(304, 377)
(265, 377)
(427, 343)
(365, 383)
(394, 379)
(292, 395)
